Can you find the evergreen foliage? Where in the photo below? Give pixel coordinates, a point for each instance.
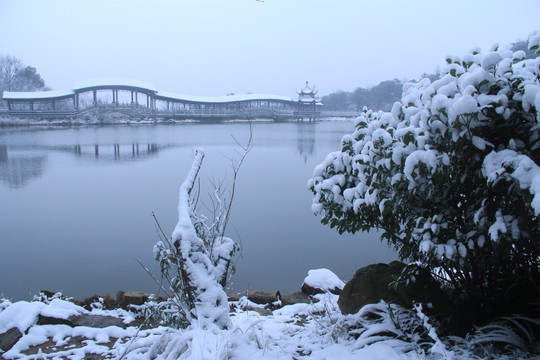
(451, 176)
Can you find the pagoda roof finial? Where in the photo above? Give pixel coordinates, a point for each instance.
(307, 90)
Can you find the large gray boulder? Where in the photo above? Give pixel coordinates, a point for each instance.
(371, 284)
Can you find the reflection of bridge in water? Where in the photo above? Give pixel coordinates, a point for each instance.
(20, 164)
(17, 169)
(140, 100)
(118, 152)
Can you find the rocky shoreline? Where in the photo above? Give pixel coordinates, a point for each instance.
(128, 299)
(123, 312)
(128, 311)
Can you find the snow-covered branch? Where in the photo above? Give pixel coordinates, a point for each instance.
(205, 295)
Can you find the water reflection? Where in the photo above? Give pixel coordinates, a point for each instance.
(20, 164)
(306, 140)
(18, 168)
(85, 219)
(3, 153)
(117, 152)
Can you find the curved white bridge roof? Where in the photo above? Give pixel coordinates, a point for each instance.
(135, 85)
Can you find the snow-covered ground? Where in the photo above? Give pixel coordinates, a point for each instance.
(300, 331)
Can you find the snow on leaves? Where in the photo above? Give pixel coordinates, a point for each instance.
(435, 172)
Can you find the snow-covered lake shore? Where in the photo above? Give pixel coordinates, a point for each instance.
(54, 328)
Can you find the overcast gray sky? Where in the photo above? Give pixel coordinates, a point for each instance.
(215, 47)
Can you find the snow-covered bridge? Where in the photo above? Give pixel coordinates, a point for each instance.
(135, 98)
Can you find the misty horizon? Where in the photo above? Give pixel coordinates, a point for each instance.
(213, 48)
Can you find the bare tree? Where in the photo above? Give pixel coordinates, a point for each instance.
(10, 66)
(15, 76)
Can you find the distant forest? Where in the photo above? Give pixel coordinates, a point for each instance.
(380, 97)
(383, 95)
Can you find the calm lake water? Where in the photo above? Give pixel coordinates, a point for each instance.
(76, 205)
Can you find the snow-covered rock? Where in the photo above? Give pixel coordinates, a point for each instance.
(320, 281)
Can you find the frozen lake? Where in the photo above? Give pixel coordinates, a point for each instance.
(76, 205)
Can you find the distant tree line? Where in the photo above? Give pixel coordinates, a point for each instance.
(383, 95)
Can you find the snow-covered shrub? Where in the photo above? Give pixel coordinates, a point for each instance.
(196, 259)
(195, 271)
(391, 324)
(450, 175)
(514, 331)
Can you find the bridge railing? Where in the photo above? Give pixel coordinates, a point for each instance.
(43, 113)
(141, 110)
(261, 111)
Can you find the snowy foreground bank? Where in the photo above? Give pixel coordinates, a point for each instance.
(316, 331)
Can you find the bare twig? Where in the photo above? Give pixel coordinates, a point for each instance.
(153, 277)
(247, 148)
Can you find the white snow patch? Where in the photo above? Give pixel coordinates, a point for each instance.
(466, 104)
(497, 227)
(24, 95)
(490, 60)
(61, 309)
(427, 157)
(89, 83)
(323, 279)
(479, 143)
(222, 99)
(520, 167)
(20, 315)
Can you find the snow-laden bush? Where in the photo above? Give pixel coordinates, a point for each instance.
(450, 175)
(187, 263)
